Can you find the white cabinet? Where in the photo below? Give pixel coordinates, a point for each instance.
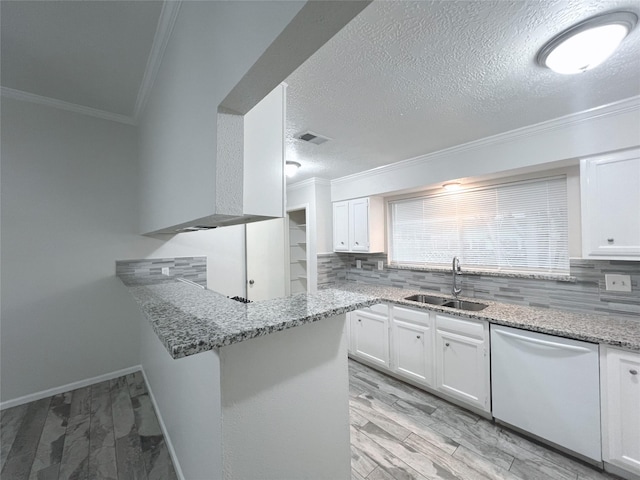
(462, 360)
(369, 334)
(358, 225)
(620, 393)
(412, 344)
(610, 197)
(341, 226)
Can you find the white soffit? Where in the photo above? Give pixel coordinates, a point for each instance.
(407, 78)
(90, 54)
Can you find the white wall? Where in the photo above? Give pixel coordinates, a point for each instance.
(547, 145)
(69, 210)
(324, 217)
(187, 395)
(295, 393)
(212, 46)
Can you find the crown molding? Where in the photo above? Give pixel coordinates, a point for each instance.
(611, 109)
(62, 105)
(166, 21)
(309, 182)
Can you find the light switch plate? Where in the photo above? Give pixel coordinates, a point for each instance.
(358, 263)
(617, 283)
(380, 264)
(165, 271)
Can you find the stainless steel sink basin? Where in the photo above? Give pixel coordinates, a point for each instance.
(445, 302)
(462, 305)
(431, 300)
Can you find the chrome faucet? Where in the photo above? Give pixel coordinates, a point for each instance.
(455, 267)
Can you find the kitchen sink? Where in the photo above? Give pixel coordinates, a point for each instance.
(462, 305)
(431, 300)
(445, 302)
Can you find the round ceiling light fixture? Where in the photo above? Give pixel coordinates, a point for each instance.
(291, 168)
(587, 44)
(452, 186)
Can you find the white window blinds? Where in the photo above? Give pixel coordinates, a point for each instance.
(516, 227)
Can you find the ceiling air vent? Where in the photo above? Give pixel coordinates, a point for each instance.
(312, 138)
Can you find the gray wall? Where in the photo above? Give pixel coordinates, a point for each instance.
(69, 211)
(586, 294)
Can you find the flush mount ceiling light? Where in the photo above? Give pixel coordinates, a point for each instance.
(587, 44)
(452, 186)
(291, 168)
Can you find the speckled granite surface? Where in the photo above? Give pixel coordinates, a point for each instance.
(620, 332)
(190, 320)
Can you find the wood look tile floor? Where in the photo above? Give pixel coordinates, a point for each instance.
(399, 432)
(110, 431)
(105, 431)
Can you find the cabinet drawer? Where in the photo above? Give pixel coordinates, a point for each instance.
(410, 315)
(469, 328)
(379, 309)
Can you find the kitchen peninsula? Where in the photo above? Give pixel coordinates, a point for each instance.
(241, 394)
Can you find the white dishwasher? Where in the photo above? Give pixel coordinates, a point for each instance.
(548, 386)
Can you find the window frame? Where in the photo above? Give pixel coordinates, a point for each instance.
(541, 272)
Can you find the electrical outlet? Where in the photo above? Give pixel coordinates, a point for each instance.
(380, 264)
(618, 283)
(165, 271)
(358, 263)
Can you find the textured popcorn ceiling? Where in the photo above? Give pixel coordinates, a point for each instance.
(412, 77)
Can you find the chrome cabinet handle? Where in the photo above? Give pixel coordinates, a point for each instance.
(251, 282)
(633, 372)
(610, 240)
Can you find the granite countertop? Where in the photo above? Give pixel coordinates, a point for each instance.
(190, 320)
(619, 332)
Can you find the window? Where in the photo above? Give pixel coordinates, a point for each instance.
(515, 227)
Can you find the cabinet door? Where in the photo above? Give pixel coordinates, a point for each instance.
(341, 226)
(462, 363)
(621, 409)
(359, 225)
(411, 351)
(370, 336)
(611, 201)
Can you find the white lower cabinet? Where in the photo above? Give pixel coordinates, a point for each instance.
(369, 330)
(445, 354)
(462, 360)
(412, 344)
(620, 395)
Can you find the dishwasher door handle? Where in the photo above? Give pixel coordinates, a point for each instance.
(546, 343)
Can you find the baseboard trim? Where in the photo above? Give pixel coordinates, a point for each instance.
(68, 387)
(167, 438)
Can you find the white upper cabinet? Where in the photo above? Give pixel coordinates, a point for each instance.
(358, 225)
(610, 196)
(341, 226)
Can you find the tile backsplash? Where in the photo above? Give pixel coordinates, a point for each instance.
(587, 294)
(191, 268)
